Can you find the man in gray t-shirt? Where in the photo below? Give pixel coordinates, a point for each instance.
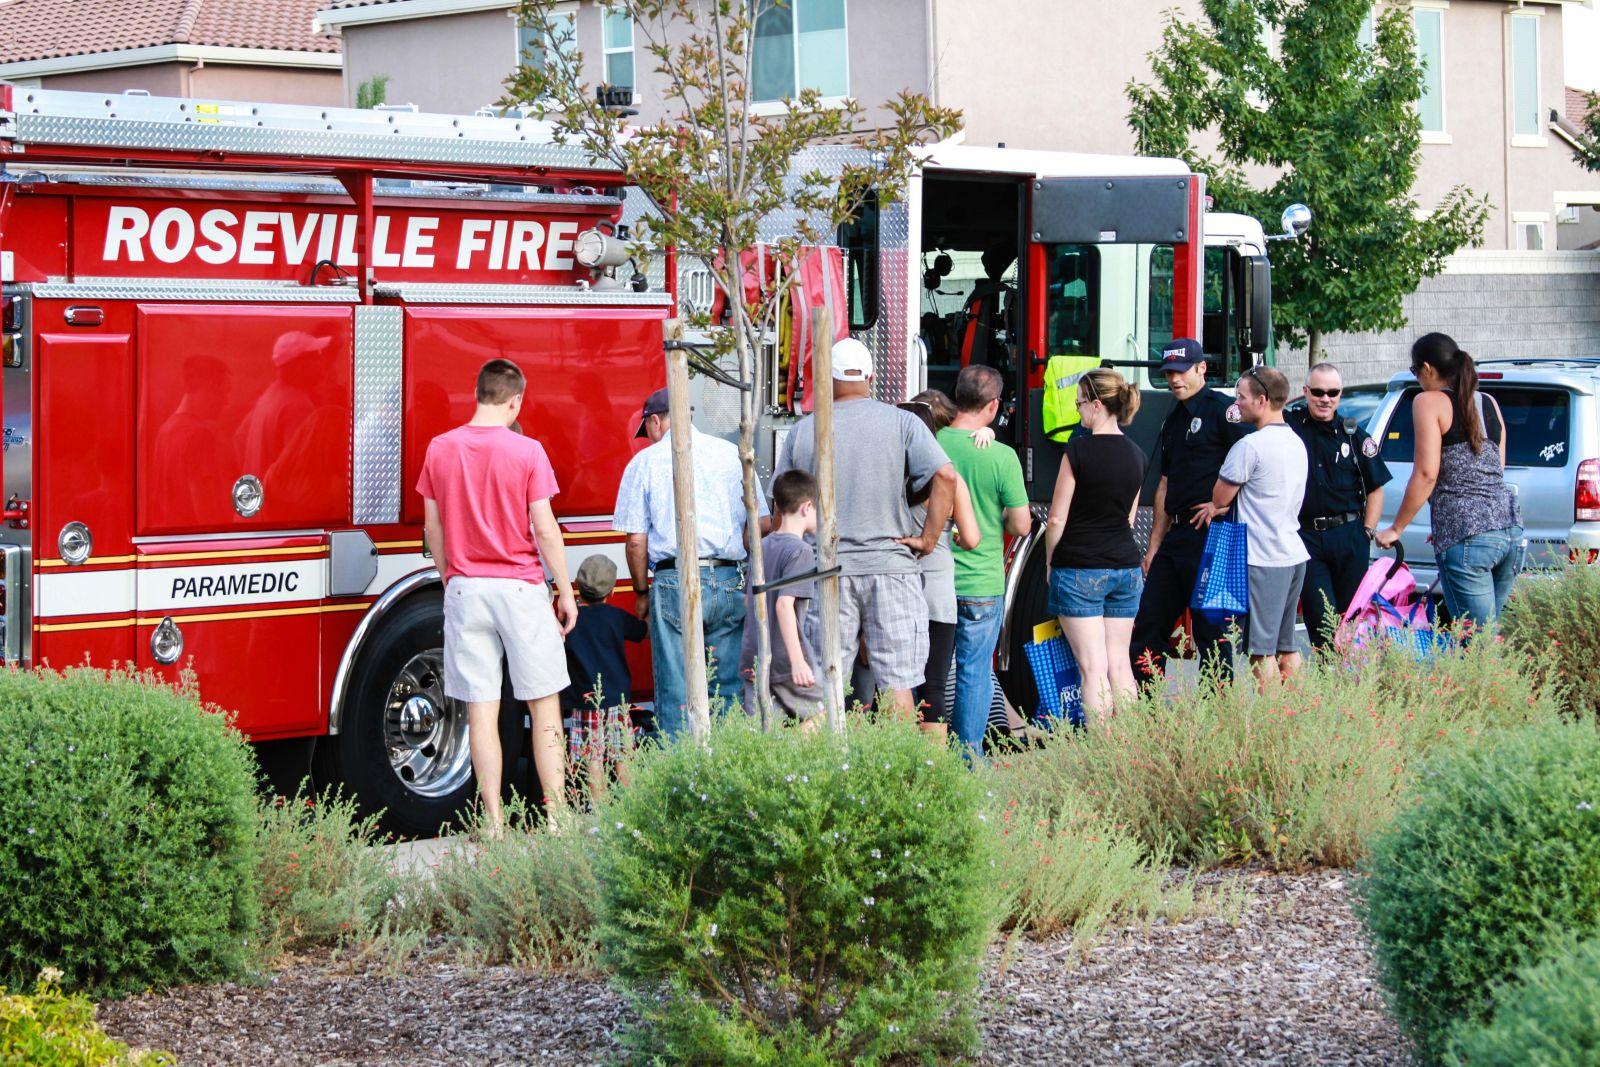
(1265, 473)
(880, 453)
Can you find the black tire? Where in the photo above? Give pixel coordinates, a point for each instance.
(1030, 608)
(358, 759)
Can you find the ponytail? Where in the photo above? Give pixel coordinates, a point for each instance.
(1460, 374)
(1128, 403)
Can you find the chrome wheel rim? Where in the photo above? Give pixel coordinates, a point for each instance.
(426, 731)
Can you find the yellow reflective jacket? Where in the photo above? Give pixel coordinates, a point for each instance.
(1061, 376)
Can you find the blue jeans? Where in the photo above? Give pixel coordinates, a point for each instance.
(722, 615)
(977, 631)
(1477, 574)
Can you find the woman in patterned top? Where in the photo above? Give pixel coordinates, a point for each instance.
(1459, 471)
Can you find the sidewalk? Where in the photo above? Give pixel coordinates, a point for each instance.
(413, 857)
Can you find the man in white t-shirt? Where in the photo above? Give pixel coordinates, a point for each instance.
(1266, 473)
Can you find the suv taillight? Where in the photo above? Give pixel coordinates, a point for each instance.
(1586, 495)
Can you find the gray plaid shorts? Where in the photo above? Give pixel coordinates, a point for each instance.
(889, 614)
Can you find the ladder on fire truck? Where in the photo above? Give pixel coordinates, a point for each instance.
(359, 149)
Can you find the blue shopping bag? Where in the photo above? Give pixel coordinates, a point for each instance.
(1222, 588)
(1055, 674)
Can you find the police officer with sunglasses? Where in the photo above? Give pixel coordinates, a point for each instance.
(1343, 501)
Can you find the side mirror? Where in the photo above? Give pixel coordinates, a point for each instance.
(1296, 221)
(1257, 303)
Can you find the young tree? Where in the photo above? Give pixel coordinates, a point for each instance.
(372, 92)
(1589, 145)
(1301, 109)
(714, 168)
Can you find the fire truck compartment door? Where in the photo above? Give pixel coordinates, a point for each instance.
(1145, 210)
(247, 615)
(243, 417)
(589, 370)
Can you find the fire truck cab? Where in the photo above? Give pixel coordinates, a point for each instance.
(230, 331)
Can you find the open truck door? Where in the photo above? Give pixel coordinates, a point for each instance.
(1107, 253)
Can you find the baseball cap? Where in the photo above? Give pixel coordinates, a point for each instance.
(654, 404)
(1182, 354)
(851, 361)
(296, 343)
(596, 577)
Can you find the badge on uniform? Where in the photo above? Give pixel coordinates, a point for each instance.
(1233, 413)
(1344, 449)
(1369, 448)
(1194, 425)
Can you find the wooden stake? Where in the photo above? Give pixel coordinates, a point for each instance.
(694, 637)
(822, 325)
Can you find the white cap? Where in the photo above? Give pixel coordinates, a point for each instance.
(851, 361)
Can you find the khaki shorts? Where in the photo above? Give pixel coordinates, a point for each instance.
(487, 618)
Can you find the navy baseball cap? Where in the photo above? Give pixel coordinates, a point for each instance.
(654, 404)
(1182, 354)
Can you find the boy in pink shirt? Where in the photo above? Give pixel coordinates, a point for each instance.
(486, 492)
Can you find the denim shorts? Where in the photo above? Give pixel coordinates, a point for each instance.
(1090, 592)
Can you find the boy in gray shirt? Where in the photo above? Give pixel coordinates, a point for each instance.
(785, 553)
(1266, 473)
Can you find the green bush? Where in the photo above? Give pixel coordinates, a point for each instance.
(1301, 775)
(1556, 619)
(799, 898)
(319, 879)
(527, 898)
(50, 1029)
(1499, 855)
(1548, 1017)
(127, 851)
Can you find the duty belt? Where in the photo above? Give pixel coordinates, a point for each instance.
(1328, 522)
(671, 563)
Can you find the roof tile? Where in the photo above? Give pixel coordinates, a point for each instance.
(51, 29)
(1577, 109)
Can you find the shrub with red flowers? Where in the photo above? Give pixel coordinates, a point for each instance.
(318, 879)
(1554, 618)
(1300, 775)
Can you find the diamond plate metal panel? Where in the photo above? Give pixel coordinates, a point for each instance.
(889, 339)
(375, 496)
(448, 293)
(184, 289)
(384, 187)
(491, 147)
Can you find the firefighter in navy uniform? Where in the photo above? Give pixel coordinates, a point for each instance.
(1344, 498)
(1194, 440)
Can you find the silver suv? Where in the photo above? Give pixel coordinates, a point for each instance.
(1552, 417)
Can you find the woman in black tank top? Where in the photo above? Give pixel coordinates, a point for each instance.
(1095, 577)
(1459, 470)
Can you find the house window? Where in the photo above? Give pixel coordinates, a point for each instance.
(1367, 36)
(799, 45)
(1430, 52)
(1529, 231)
(533, 50)
(1525, 76)
(619, 49)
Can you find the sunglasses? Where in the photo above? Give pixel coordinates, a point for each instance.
(1320, 393)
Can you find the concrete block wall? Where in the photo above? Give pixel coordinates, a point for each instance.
(1495, 304)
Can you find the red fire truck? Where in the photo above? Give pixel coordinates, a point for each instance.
(230, 332)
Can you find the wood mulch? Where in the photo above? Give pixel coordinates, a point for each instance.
(1292, 983)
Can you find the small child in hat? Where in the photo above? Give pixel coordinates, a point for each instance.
(597, 663)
